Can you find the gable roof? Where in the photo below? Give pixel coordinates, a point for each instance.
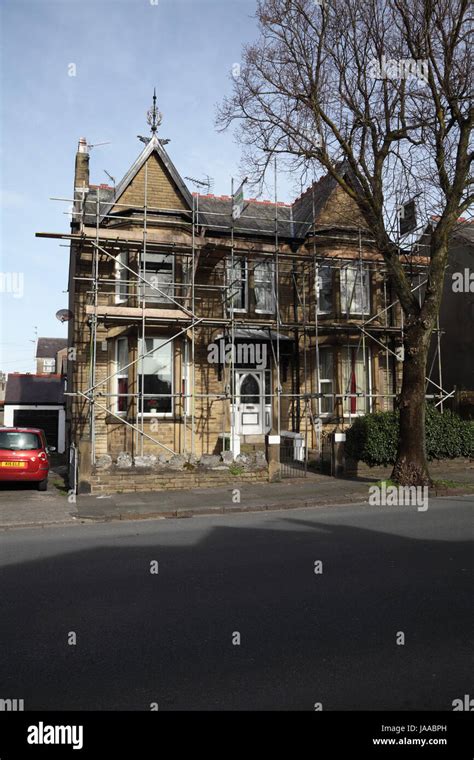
(154, 146)
(215, 212)
(47, 348)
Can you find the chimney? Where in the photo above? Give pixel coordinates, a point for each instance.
(81, 175)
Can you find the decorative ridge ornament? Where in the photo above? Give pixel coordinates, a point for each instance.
(154, 116)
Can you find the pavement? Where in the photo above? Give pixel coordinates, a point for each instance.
(21, 505)
(236, 618)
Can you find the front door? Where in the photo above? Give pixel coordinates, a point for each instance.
(250, 402)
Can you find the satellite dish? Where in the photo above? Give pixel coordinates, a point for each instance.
(64, 315)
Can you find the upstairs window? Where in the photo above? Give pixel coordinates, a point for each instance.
(159, 276)
(324, 289)
(49, 365)
(355, 290)
(264, 284)
(121, 277)
(237, 284)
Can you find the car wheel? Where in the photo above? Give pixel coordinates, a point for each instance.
(43, 485)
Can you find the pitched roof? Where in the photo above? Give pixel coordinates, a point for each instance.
(47, 348)
(153, 146)
(258, 217)
(215, 212)
(34, 389)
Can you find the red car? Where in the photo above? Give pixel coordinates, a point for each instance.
(24, 456)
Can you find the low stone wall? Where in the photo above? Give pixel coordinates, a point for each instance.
(136, 480)
(151, 473)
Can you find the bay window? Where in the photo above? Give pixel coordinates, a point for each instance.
(356, 379)
(355, 290)
(264, 287)
(326, 380)
(324, 289)
(121, 277)
(237, 284)
(159, 274)
(122, 361)
(155, 375)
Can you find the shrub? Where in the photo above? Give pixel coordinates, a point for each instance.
(373, 439)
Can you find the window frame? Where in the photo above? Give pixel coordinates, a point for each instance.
(329, 269)
(120, 376)
(49, 366)
(270, 281)
(364, 291)
(153, 296)
(120, 268)
(321, 380)
(368, 384)
(244, 281)
(170, 343)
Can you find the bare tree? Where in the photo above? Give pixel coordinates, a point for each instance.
(383, 89)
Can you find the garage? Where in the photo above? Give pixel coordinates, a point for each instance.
(46, 419)
(37, 401)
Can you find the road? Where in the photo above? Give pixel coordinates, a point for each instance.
(171, 637)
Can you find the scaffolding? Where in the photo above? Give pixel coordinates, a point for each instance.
(377, 325)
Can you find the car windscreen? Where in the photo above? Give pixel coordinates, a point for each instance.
(19, 441)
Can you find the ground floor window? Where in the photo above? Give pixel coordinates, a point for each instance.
(122, 361)
(356, 379)
(155, 375)
(387, 381)
(326, 380)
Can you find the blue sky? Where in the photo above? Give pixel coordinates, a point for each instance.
(121, 50)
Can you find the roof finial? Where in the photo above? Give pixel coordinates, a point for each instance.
(154, 116)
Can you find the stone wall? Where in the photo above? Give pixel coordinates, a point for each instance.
(149, 473)
(136, 481)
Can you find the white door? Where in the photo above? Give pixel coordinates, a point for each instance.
(250, 400)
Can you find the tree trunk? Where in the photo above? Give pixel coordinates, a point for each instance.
(411, 467)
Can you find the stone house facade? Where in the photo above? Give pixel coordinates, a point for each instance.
(199, 326)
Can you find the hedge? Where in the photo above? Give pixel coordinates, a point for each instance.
(373, 439)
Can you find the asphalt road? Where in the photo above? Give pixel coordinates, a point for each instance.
(305, 638)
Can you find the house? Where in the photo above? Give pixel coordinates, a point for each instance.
(33, 400)
(203, 321)
(50, 355)
(455, 373)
